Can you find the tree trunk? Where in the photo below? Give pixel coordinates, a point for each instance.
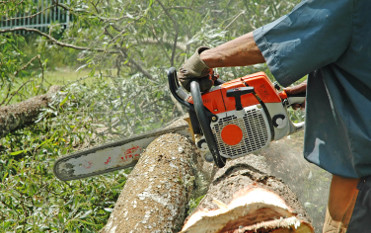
(18, 115)
(257, 202)
(156, 194)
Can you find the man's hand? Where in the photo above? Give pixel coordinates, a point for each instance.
(295, 90)
(195, 69)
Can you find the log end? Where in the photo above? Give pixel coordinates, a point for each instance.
(252, 209)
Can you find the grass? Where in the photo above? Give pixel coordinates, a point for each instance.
(63, 76)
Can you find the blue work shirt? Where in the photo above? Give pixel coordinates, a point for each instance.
(331, 41)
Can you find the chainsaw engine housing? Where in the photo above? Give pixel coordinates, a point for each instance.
(245, 115)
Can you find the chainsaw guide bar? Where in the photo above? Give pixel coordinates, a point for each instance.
(108, 157)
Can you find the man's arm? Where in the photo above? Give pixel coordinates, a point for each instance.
(241, 51)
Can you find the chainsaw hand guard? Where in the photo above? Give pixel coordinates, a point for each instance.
(204, 122)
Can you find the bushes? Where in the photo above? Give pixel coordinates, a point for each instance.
(85, 114)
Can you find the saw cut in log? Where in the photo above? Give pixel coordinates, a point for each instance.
(156, 195)
(18, 115)
(243, 197)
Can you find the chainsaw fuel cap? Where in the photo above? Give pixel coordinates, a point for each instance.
(231, 134)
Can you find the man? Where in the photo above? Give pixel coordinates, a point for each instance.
(331, 41)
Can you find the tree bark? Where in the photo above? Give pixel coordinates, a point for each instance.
(258, 202)
(156, 194)
(18, 115)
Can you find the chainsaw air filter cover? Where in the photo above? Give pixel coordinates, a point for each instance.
(240, 132)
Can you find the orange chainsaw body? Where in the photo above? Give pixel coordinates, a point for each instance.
(216, 100)
(261, 119)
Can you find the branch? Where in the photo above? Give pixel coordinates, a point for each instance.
(9, 96)
(11, 1)
(176, 28)
(30, 16)
(27, 64)
(55, 41)
(136, 64)
(123, 53)
(105, 19)
(156, 41)
(160, 42)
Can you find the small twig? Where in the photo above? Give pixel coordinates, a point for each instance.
(9, 96)
(10, 85)
(124, 54)
(234, 19)
(76, 81)
(7, 93)
(160, 42)
(30, 16)
(42, 73)
(27, 64)
(10, 1)
(17, 91)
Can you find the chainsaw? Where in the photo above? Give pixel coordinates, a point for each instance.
(230, 120)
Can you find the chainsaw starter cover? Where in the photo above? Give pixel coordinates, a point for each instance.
(231, 134)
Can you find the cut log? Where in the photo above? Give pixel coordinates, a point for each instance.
(156, 194)
(309, 182)
(18, 115)
(243, 197)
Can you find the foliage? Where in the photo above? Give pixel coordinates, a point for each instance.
(125, 47)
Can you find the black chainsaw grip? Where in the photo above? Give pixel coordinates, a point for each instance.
(179, 94)
(205, 123)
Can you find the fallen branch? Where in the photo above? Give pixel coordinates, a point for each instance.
(18, 115)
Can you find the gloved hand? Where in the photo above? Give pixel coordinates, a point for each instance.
(195, 69)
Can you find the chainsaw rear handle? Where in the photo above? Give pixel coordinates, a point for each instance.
(204, 122)
(296, 98)
(292, 100)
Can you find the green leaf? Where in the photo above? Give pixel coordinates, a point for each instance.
(63, 101)
(18, 152)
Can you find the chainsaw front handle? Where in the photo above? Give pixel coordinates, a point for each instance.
(178, 92)
(204, 122)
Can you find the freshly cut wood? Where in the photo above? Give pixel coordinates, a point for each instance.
(18, 115)
(243, 197)
(156, 194)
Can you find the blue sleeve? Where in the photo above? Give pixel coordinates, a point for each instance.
(314, 34)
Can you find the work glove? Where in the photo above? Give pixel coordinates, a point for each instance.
(195, 69)
(295, 90)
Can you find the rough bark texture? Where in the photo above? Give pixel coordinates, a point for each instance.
(156, 194)
(248, 177)
(18, 115)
